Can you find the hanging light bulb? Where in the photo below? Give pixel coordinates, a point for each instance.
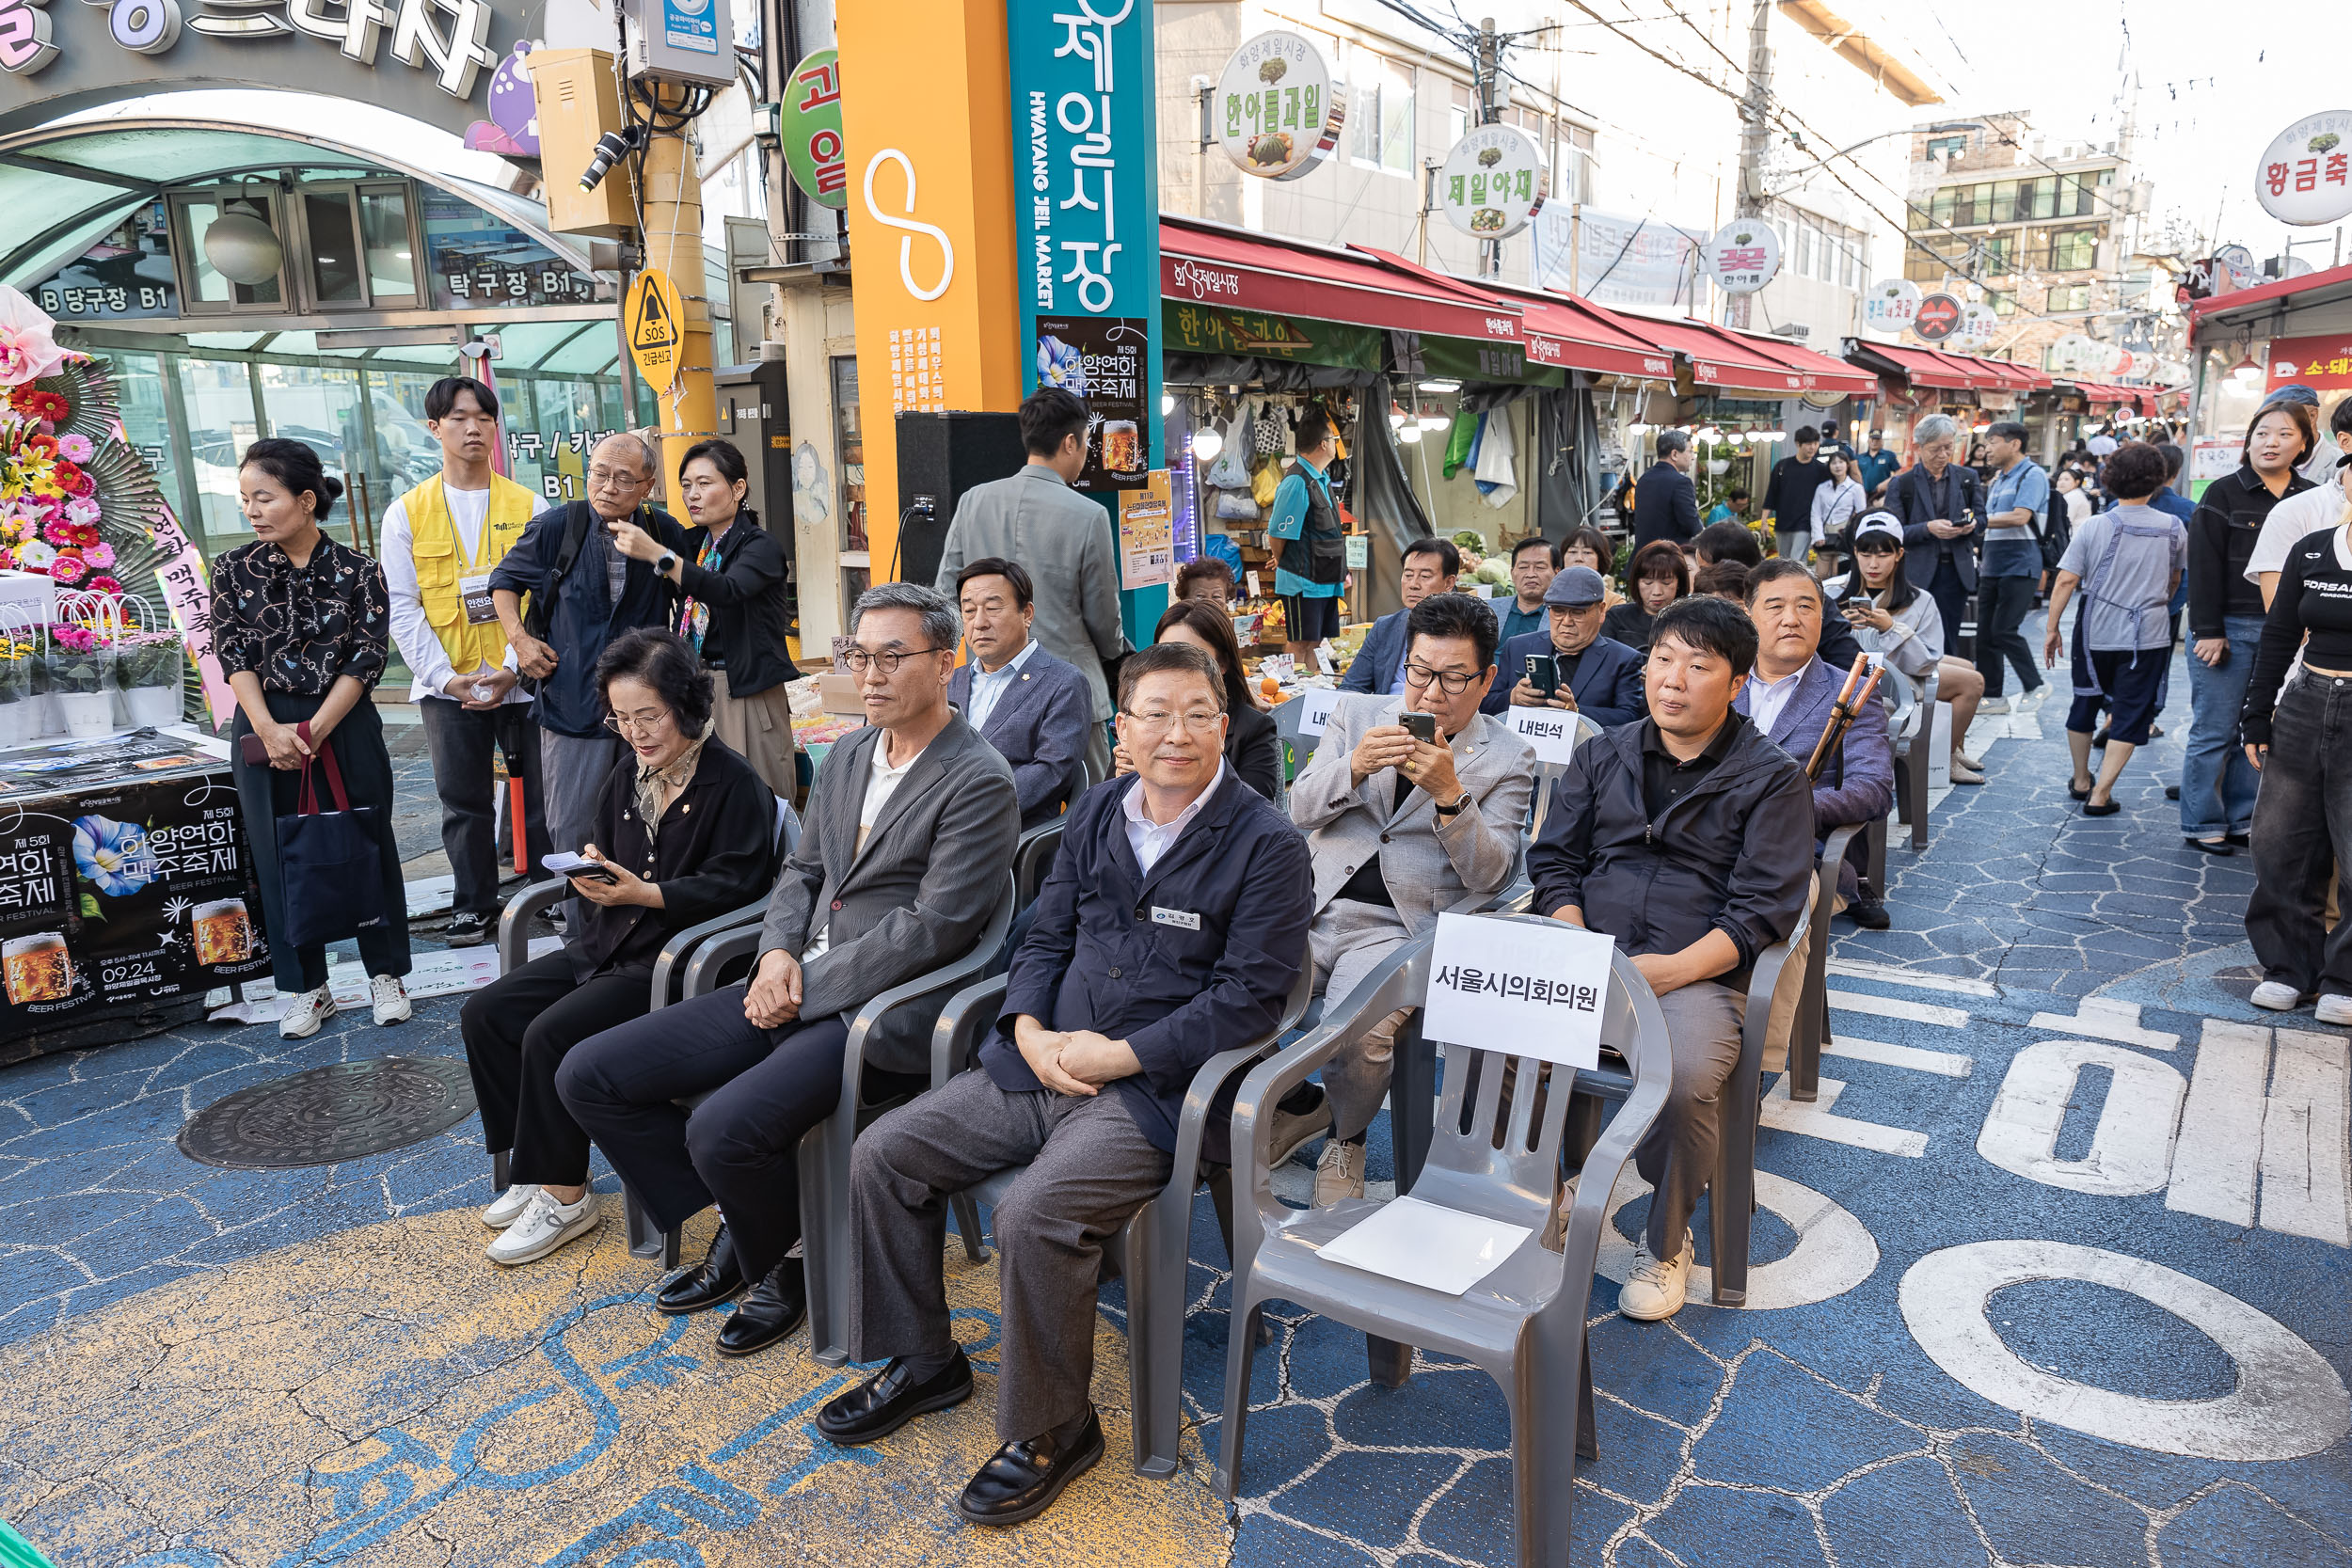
(2246, 373)
(1206, 444)
(1396, 418)
(1168, 403)
(1409, 434)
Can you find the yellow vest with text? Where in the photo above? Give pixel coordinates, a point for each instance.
(441, 561)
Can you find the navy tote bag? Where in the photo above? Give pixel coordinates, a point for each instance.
(328, 859)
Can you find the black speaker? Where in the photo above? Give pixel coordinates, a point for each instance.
(940, 457)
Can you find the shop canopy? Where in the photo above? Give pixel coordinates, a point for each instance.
(1210, 264)
(1942, 369)
(2142, 398)
(1561, 331)
(1821, 374)
(2270, 306)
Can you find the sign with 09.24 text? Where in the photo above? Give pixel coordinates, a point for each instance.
(1529, 988)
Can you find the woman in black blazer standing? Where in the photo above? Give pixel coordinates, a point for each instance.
(734, 617)
(1252, 747)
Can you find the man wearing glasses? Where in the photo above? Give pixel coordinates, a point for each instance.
(1401, 829)
(905, 855)
(1941, 504)
(584, 592)
(1172, 927)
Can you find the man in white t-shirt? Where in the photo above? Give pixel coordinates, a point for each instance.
(2306, 512)
(439, 542)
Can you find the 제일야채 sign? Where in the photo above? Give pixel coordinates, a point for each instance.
(1493, 181)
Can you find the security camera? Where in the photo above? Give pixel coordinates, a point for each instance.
(611, 148)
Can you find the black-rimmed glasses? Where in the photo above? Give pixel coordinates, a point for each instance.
(858, 659)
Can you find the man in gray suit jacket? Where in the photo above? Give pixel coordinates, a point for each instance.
(1061, 538)
(1401, 829)
(911, 823)
(1031, 707)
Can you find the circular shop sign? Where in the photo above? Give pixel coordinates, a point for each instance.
(1977, 324)
(1890, 305)
(808, 122)
(1938, 318)
(1744, 255)
(1493, 181)
(1276, 112)
(2305, 174)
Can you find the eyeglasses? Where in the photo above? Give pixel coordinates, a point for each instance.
(601, 476)
(1198, 721)
(1417, 676)
(637, 724)
(858, 659)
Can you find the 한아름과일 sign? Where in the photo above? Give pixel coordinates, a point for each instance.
(1277, 114)
(1517, 986)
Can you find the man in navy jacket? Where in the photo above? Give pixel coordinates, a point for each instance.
(1172, 927)
(1034, 709)
(1602, 677)
(1430, 566)
(1665, 503)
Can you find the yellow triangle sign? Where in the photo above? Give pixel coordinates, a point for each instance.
(656, 322)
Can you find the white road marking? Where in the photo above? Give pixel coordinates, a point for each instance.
(2131, 1150)
(2221, 1127)
(2303, 1139)
(1896, 975)
(1897, 1006)
(2288, 1402)
(2103, 1020)
(1949, 1064)
(1833, 1252)
(1816, 1121)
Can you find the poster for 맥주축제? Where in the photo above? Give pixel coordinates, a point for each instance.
(115, 898)
(1105, 360)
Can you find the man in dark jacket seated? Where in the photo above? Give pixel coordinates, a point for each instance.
(1598, 677)
(1173, 926)
(1688, 837)
(1034, 709)
(1791, 698)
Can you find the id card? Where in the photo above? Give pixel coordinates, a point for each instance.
(1185, 918)
(475, 595)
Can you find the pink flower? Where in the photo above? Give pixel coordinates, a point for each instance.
(7, 560)
(28, 350)
(69, 569)
(105, 585)
(58, 534)
(99, 556)
(75, 449)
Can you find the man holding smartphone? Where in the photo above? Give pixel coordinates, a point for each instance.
(1568, 665)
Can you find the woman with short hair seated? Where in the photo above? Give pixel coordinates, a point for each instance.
(688, 831)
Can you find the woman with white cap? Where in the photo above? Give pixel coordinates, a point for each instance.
(1894, 617)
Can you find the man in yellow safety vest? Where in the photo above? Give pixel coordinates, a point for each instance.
(439, 543)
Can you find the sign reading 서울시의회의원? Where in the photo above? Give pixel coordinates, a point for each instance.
(1531, 987)
(808, 124)
(1086, 221)
(1277, 112)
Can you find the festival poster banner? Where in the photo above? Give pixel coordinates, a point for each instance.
(188, 595)
(1103, 359)
(1147, 556)
(123, 895)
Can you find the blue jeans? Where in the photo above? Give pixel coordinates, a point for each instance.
(2218, 784)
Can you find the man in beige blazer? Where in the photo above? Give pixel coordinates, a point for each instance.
(1401, 829)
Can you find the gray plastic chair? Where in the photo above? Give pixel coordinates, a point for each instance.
(1523, 1325)
(1033, 857)
(1912, 730)
(1152, 1250)
(1810, 1031)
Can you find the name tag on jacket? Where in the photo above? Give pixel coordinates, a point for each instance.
(1186, 918)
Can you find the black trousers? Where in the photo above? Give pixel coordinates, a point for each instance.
(2004, 603)
(1951, 600)
(265, 794)
(517, 1031)
(2303, 839)
(463, 743)
(739, 1149)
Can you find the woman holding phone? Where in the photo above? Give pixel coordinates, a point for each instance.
(1893, 616)
(688, 831)
(1837, 502)
(1254, 749)
(303, 626)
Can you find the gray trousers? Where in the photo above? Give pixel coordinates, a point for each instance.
(1347, 941)
(571, 771)
(1702, 1024)
(1089, 1170)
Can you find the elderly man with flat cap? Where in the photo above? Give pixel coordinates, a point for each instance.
(1595, 675)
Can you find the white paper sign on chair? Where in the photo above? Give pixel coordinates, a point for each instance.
(1515, 986)
(1553, 731)
(1316, 705)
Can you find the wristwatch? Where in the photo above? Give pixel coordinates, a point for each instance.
(661, 567)
(1456, 809)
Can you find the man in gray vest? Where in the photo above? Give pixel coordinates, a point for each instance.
(1065, 542)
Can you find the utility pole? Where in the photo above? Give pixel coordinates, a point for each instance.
(689, 411)
(1489, 95)
(1755, 135)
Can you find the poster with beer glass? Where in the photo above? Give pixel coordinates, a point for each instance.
(1105, 360)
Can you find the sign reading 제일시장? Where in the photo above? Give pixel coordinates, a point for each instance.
(1277, 114)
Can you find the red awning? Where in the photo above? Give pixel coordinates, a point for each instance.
(1575, 334)
(1210, 264)
(1720, 360)
(2102, 391)
(1999, 373)
(1821, 374)
(1922, 367)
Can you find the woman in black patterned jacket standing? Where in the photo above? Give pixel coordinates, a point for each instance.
(302, 627)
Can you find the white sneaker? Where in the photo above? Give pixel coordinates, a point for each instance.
(1994, 705)
(545, 1225)
(305, 1013)
(2277, 995)
(509, 1205)
(2335, 1008)
(390, 998)
(1340, 1173)
(1655, 1290)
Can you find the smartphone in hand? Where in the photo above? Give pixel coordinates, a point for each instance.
(1542, 673)
(564, 864)
(1423, 726)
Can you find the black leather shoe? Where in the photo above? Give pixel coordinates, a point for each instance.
(1870, 914)
(1021, 1479)
(776, 1306)
(889, 1399)
(717, 1277)
(2211, 847)
(2243, 841)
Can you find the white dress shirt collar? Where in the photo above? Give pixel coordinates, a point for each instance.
(1150, 840)
(990, 686)
(1766, 699)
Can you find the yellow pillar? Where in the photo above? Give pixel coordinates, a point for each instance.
(926, 113)
(689, 411)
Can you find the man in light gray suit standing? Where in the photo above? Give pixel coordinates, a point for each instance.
(1064, 540)
(1402, 829)
(911, 823)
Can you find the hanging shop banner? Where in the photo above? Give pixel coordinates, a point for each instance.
(1277, 114)
(1467, 361)
(122, 893)
(1296, 339)
(2323, 364)
(1611, 258)
(1937, 318)
(808, 125)
(1493, 181)
(1890, 307)
(1147, 556)
(1743, 256)
(1978, 323)
(655, 324)
(1086, 221)
(2305, 174)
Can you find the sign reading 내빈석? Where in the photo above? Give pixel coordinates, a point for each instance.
(1277, 114)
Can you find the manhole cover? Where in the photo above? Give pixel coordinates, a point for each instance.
(331, 1114)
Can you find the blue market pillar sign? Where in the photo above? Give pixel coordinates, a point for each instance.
(1086, 222)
